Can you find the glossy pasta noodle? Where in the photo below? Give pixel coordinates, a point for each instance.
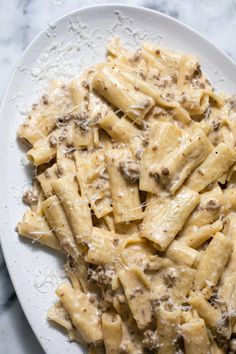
(135, 185)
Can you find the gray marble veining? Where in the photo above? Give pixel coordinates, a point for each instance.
(20, 21)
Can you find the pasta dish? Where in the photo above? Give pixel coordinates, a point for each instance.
(135, 182)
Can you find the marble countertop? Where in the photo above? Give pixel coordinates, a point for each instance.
(20, 21)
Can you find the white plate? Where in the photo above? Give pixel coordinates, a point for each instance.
(64, 49)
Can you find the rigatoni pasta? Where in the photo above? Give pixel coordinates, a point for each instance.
(135, 185)
(195, 336)
(35, 227)
(212, 263)
(123, 172)
(165, 217)
(76, 207)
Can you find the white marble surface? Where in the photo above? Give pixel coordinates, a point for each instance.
(20, 21)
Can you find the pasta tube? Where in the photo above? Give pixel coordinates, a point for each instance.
(215, 165)
(195, 335)
(120, 129)
(57, 220)
(94, 181)
(212, 263)
(47, 178)
(103, 246)
(124, 192)
(195, 101)
(182, 284)
(204, 309)
(122, 95)
(167, 324)
(44, 150)
(227, 282)
(164, 137)
(76, 207)
(195, 236)
(34, 227)
(43, 116)
(112, 332)
(164, 217)
(175, 167)
(137, 292)
(84, 315)
(208, 210)
(230, 197)
(180, 253)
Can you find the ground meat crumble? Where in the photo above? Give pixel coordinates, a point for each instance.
(30, 196)
(130, 170)
(135, 293)
(100, 275)
(81, 120)
(232, 102)
(170, 277)
(106, 301)
(63, 121)
(222, 329)
(151, 340)
(197, 71)
(123, 349)
(155, 175)
(213, 205)
(53, 140)
(232, 347)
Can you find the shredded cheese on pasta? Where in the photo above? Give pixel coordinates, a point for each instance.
(135, 184)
